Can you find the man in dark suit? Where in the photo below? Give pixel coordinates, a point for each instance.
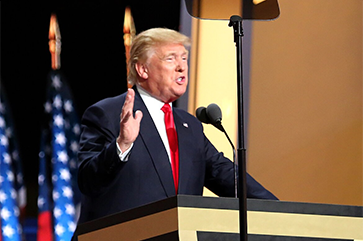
(125, 154)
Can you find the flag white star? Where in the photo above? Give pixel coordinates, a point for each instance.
(8, 231)
(62, 156)
(58, 120)
(56, 82)
(4, 140)
(70, 209)
(16, 211)
(41, 202)
(67, 192)
(74, 146)
(68, 106)
(59, 229)
(5, 213)
(57, 102)
(55, 195)
(13, 193)
(10, 175)
(57, 212)
(7, 158)
(60, 139)
(3, 196)
(71, 226)
(41, 179)
(76, 129)
(64, 174)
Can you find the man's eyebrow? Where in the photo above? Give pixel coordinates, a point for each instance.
(175, 53)
(169, 55)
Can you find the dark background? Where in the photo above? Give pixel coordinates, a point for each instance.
(92, 59)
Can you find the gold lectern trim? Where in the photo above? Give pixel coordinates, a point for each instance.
(305, 225)
(138, 229)
(188, 221)
(272, 223)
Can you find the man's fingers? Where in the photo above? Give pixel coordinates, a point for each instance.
(127, 109)
(130, 97)
(125, 116)
(128, 106)
(138, 115)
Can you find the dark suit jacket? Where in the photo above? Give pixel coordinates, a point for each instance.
(111, 186)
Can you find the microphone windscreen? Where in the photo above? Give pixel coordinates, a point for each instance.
(202, 116)
(214, 113)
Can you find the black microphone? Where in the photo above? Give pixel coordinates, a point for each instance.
(213, 115)
(210, 115)
(201, 114)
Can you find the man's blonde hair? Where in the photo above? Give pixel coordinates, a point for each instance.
(144, 42)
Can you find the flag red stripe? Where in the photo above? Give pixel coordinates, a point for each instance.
(45, 230)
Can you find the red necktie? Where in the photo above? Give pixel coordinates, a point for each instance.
(173, 142)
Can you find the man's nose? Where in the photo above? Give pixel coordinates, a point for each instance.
(181, 65)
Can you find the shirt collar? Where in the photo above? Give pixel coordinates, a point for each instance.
(152, 104)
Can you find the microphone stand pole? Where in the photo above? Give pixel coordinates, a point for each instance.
(236, 22)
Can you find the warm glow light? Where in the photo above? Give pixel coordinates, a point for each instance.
(54, 41)
(129, 33)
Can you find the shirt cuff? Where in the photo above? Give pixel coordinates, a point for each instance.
(124, 157)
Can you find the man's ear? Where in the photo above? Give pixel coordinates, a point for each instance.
(142, 70)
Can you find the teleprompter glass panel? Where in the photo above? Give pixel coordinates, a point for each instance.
(224, 9)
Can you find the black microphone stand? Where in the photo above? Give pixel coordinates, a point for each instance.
(236, 23)
(220, 127)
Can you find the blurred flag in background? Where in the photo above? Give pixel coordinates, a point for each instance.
(58, 191)
(12, 188)
(59, 196)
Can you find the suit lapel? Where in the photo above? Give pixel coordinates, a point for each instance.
(185, 157)
(155, 147)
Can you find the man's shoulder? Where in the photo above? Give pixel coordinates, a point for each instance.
(107, 105)
(186, 116)
(111, 100)
(183, 112)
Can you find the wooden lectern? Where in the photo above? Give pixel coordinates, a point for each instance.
(193, 218)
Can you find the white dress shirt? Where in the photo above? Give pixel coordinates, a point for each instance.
(154, 106)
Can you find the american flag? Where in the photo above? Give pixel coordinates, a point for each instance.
(12, 188)
(58, 191)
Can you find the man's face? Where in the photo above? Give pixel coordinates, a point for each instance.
(166, 72)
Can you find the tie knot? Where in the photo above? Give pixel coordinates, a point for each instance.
(166, 108)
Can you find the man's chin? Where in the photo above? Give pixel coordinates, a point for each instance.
(180, 94)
